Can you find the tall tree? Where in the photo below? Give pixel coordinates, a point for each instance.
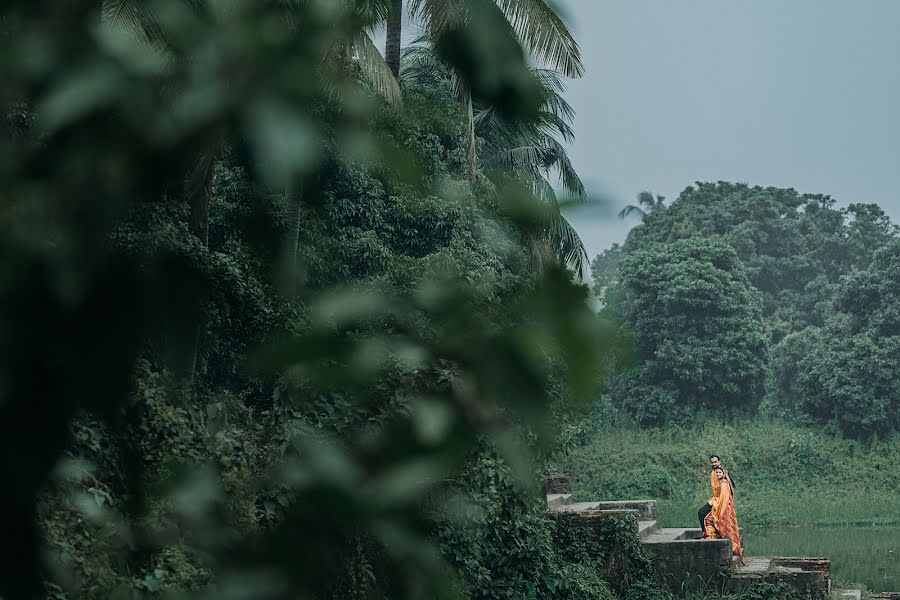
(538, 28)
(698, 331)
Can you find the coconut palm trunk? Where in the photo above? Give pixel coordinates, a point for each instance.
(293, 195)
(394, 31)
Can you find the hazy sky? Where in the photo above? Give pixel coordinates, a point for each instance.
(798, 93)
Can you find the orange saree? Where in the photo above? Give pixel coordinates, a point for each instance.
(721, 522)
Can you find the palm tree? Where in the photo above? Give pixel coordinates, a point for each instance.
(647, 203)
(540, 31)
(528, 153)
(532, 151)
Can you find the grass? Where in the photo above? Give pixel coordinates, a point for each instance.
(785, 475)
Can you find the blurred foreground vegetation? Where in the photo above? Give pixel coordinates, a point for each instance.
(281, 320)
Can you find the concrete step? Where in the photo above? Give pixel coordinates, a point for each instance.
(847, 594)
(752, 566)
(557, 500)
(646, 528)
(675, 534)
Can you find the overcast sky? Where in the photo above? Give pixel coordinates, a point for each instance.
(798, 93)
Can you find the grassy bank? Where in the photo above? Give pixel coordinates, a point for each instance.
(784, 475)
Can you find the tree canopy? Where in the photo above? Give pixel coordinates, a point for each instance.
(822, 278)
(698, 332)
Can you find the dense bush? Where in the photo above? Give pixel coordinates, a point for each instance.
(698, 331)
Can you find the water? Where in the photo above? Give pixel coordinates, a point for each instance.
(867, 555)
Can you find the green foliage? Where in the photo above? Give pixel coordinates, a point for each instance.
(811, 265)
(848, 378)
(698, 331)
(605, 268)
(784, 392)
(609, 544)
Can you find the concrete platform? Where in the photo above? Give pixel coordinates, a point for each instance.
(684, 562)
(557, 500)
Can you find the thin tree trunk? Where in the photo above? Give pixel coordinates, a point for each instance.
(470, 144)
(394, 30)
(198, 193)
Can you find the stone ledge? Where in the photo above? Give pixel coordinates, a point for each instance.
(557, 500)
(647, 528)
(809, 576)
(646, 508)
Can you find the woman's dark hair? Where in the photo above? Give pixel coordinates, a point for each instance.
(712, 456)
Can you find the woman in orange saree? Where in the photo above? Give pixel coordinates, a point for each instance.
(721, 522)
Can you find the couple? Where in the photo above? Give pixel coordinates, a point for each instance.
(717, 516)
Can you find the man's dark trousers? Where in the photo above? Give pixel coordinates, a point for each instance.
(704, 510)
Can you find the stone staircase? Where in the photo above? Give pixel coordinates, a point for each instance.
(684, 561)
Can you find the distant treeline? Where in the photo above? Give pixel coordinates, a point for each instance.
(742, 299)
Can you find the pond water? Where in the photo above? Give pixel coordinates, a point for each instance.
(867, 555)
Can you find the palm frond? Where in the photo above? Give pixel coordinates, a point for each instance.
(630, 210)
(544, 35)
(375, 69)
(567, 175)
(525, 157)
(137, 22)
(418, 64)
(553, 89)
(439, 16)
(645, 198)
(135, 32)
(543, 191)
(372, 12)
(567, 243)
